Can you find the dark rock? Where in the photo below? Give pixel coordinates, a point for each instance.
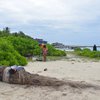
(45, 69)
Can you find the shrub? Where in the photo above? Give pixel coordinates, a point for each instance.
(8, 55)
(55, 52)
(26, 45)
(88, 53)
(77, 49)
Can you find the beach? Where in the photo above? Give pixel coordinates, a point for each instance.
(72, 69)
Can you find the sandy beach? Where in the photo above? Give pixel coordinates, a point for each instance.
(73, 69)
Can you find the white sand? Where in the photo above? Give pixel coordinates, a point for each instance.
(72, 69)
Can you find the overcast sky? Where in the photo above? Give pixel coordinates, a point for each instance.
(74, 22)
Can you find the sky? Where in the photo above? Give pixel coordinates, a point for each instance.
(71, 22)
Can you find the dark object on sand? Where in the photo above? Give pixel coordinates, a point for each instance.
(23, 77)
(39, 60)
(94, 48)
(29, 56)
(12, 71)
(45, 69)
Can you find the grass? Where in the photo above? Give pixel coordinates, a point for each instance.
(49, 58)
(54, 58)
(88, 54)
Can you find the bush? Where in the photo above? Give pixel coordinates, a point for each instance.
(14, 47)
(55, 52)
(8, 55)
(88, 53)
(77, 49)
(23, 45)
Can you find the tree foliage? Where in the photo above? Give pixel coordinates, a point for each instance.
(14, 47)
(55, 52)
(9, 56)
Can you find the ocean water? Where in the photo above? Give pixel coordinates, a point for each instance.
(66, 49)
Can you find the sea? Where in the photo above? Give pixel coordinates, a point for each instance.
(66, 49)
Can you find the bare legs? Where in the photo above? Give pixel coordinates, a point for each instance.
(44, 58)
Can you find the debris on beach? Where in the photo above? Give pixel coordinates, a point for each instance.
(25, 78)
(45, 69)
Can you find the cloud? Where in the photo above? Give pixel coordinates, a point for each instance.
(61, 10)
(61, 16)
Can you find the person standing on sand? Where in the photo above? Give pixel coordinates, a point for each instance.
(44, 51)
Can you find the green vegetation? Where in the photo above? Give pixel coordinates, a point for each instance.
(25, 46)
(9, 56)
(14, 47)
(55, 52)
(87, 53)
